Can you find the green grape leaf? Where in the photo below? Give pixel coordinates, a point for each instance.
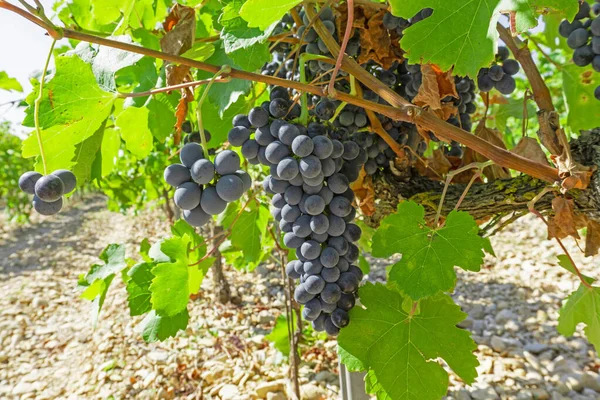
(145, 249)
(73, 77)
(262, 13)
(200, 51)
(223, 96)
(565, 262)
(155, 327)
(578, 88)
(85, 155)
(372, 386)
(253, 57)
(133, 125)
(161, 115)
(428, 255)
(109, 150)
(170, 292)
(107, 11)
(98, 279)
(582, 306)
(196, 272)
(514, 109)
(139, 77)
(248, 232)
(279, 335)
(236, 34)
(138, 288)
(471, 25)
(8, 83)
(108, 60)
(400, 348)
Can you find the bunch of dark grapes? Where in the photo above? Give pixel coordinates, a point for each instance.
(312, 201)
(204, 188)
(193, 137)
(583, 36)
(500, 74)
(48, 191)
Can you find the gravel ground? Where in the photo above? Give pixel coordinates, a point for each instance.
(49, 350)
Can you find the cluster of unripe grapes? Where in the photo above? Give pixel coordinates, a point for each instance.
(48, 191)
(500, 74)
(312, 202)
(583, 36)
(204, 188)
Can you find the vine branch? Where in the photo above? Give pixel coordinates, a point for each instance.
(174, 87)
(402, 110)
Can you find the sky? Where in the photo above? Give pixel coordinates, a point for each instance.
(23, 49)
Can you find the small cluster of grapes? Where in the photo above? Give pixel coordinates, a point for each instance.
(499, 75)
(312, 201)
(398, 24)
(193, 136)
(48, 191)
(583, 36)
(203, 189)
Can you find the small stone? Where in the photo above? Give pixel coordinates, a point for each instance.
(462, 394)
(38, 302)
(269, 387)
(265, 317)
(23, 388)
(229, 392)
(310, 391)
(589, 380)
(540, 394)
(477, 312)
(524, 395)
(505, 315)
(573, 382)
(276, 396)
(326, 376)
(535, 348)
(485, 393)
(498, 344)
(158, 356)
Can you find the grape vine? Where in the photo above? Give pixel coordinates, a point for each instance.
(328, 132)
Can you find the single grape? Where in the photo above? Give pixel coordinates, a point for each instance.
(49, 188)
(202, 171)
(187, 196)
(329, 257)
(340, 206)
(238, 135)
(263, 136)
(230, 187)
(565, 28)
(47, 207)
(241, 120)
(338, 149)
(356, 271)
(597, 93)
(322, 147)
(330, 327)
(277, 185)
(186, 126)
(584, 10)
(287, 134)
(279, 108)
(339, 243)
(503, 53)
(190, 153)
(288, 168)
(583, 56)
(351, 150)
(343, 265)
(485, 83)
(292, 241)
(258, 117)
(316, 181)
(246, 180)
(68, 178)
(285, 226)
(348, 282)
(314, 284)
(227, 162)
(340, 318)
(279, 92)
(314, 205)
(595, 26)
(293, 195)
(302, 146)
(290, 269)
(301, 226)
(506, 85)
(312, 309)
(330, 275)
(325, 109)
(301, 295)
(312, 267)
(510, 67)
(346, 301)
(211, 202)
(28, 180)
(326, 194)
(338, 183)
(337, 226)
(319, 323)
(290, 213)
(319, 224)
(496, 73)
(352, 254)
(276, 152)
(196, 217)
(578, 38)
(352, 232)
(310, 249)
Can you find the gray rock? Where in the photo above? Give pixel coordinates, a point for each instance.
(535, 348)
(505, 315)
(477, 312)
(485, 393)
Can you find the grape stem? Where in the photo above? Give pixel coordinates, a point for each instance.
(401, 111)
(225, 70)
(37, 104)
(174, 87)
(531, 207)
(340, 58)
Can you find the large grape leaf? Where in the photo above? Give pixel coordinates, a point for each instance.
(400, 348)
(236, 33)
(109, 150)
(170, 287)
(428, 255)
(8, 83)
(98, 279)
(582, 306)
(133, 124)
(462, 33)
(155, 327)
(578, 88)
(262, 13)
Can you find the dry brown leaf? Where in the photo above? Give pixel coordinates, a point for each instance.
(495, 99)
(494, 137)
(180, 115)
(562, 224)
(436, 86)
(437, 166)
(530, 149)
(572, 174)
(592, 240)
(365, 193)
(375, 41)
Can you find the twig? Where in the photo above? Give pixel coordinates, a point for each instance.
(403, 111)
(171, 88)
(449, 176)
(476, 175)
(226, 69)
(542, 52)
(340, 58)
(36, 111)
(531, 207)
